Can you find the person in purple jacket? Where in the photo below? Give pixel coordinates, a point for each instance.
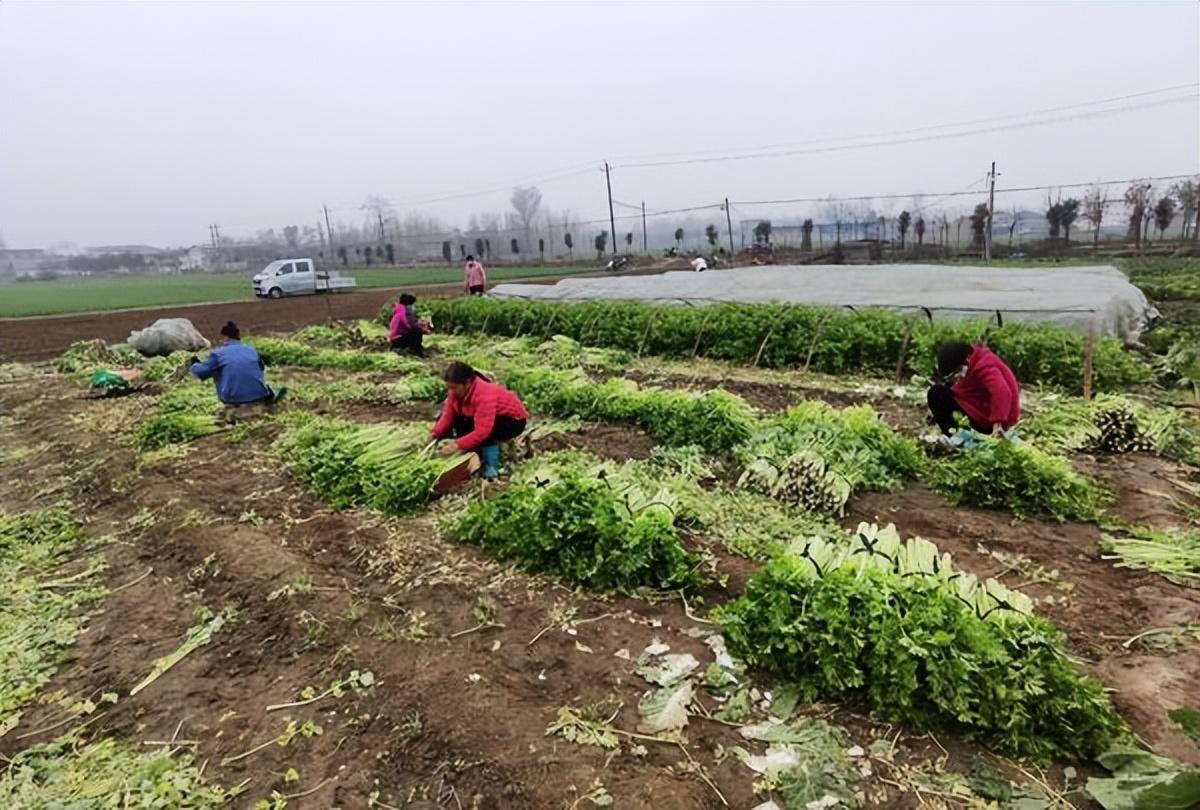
(237, 371)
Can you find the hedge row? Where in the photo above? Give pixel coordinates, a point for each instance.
(789, 336)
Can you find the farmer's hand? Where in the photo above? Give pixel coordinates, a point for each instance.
(447, 449)
(193, 360)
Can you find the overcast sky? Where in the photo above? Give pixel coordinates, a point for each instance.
(143, 123)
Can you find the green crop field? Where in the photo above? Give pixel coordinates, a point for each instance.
(18, 300)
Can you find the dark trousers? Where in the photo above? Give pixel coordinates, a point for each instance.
(504, 429)
(475, 289)
(943, 406)
(410, 342)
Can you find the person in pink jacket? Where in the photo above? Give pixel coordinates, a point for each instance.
(479, 414)
(475, 277)
(406, 332)
(977, 384)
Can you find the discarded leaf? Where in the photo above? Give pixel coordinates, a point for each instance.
(665, 709)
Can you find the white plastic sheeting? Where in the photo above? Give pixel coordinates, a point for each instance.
(1080, 298)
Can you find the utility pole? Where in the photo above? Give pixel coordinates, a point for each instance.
(729, 228)
(328, 231)
(612, 221)
(382, 238)
(987, 234)
(643, 226)
(212, 236)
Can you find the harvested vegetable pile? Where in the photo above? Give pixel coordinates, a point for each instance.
(391, 468)
(815, 456)
(1020, 478)
(1174, 553)
(185, 412)
(582, 529)
(891, 624)
(715, 420)
(282, 352)
(1111, 424)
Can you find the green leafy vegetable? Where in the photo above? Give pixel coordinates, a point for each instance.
(1020, 478)
(778, 336)
(579, 528)
(1173, 553)
(894, 626)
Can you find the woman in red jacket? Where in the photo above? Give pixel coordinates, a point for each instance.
(976, 383)
(480, 414)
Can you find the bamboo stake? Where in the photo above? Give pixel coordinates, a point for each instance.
(1089, 354)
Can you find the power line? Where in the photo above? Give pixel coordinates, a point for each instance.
(920, 139)
(930, 128)
(963, 193)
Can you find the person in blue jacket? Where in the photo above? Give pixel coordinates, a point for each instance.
(237, 371)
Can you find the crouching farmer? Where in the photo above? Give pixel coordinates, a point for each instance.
(238, 373)
(975, 382)
(479, 414)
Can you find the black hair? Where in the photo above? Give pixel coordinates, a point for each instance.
(470, 258)
(951, 356)
(460, 373)
(230, 330)
(407, 299)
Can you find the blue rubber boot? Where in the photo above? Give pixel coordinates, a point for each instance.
(490, 456)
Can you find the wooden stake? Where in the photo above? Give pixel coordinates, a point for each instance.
(700, 332)
(812, 347)
(1089, 355)
(761, 346)
(903, 353)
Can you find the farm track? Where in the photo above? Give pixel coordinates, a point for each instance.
(425, 730)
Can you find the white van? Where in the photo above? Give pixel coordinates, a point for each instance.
(298, 277)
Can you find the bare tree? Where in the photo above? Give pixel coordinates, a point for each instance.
(527, 202)
(1188, 194)
(679, 237)
(919, 230)
(902, 223)
(291, 235)
(601, 242)
(1137, 197)
(712, 235)
(1093, 210)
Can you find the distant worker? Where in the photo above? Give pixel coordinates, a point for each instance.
(237, 371)
(976, 383)
(479, 414)
(406, 332)
(475, 277)
(699, 265)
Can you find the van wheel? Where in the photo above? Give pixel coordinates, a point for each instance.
(276, 292)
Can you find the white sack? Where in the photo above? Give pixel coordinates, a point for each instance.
(167, 335)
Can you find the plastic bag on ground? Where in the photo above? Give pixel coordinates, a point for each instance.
(167, 335)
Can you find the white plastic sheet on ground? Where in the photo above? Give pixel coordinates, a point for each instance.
(167, 335)
(1080, 298)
